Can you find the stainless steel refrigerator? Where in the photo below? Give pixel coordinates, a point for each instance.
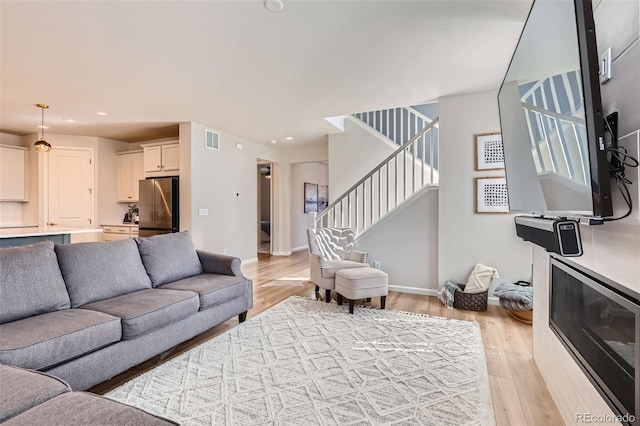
(159, 205)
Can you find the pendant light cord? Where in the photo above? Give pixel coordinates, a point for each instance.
(42, 124)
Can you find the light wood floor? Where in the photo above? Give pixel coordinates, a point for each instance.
(520, 396)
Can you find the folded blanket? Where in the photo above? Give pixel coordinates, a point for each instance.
(448, 293)
(513, 296)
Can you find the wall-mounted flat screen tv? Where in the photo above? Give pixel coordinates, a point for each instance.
(551, 115)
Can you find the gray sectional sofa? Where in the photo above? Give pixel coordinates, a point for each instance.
(35, 398)
(89, 311)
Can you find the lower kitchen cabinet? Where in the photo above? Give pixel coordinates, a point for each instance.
(119, 232)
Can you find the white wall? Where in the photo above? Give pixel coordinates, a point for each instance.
(467, 238)
(352, 155)
(9, 139)
(210, 179)
(406, 245)
(300, 173)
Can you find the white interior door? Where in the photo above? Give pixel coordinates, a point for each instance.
(70, 189)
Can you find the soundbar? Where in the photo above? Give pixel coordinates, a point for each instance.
(561, 236)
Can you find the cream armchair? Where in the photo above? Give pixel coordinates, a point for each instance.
(330, 250)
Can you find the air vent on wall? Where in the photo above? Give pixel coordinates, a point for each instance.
(211, 140)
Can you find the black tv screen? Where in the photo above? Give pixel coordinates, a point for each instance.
(551, 115)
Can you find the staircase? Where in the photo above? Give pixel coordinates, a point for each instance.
(410, 169)
(397, 124)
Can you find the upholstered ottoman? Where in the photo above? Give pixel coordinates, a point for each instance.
(361, 283)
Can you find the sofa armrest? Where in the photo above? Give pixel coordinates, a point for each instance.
(357, 256)
(214, 263)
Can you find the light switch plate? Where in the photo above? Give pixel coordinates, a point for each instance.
(203, 212)
(605, 66)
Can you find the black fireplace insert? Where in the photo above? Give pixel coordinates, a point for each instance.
(598, 321)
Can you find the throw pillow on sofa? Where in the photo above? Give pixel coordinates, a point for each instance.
(98, 271)
(169, 257)
(30, 282)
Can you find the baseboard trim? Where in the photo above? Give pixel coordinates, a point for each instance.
(492, 300)
(281, 253)
(248, 261)
(414, 290)
(293, 250)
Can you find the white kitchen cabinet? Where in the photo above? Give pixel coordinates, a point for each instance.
(170, 157)
(119, 232)
(130, 171)
(14, 173)
(152, 159)
(161, 159)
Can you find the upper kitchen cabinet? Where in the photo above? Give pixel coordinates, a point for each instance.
(130, 171)
(161, 159)
(14, 173)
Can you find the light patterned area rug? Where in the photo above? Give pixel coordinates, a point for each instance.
(305, 362)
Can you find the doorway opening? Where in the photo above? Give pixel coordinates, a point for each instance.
(265, 230)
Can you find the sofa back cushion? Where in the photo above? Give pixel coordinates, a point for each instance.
(98, 271)
(30, 282)
(169, 257)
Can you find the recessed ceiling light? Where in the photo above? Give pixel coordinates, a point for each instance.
(289, 138)
(273, 141)
(102, 114)
(68, 120)
(40, 126)
(273, 5)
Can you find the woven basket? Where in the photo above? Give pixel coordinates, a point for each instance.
(470, 301)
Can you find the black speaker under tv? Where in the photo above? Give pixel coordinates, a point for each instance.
(551, 115)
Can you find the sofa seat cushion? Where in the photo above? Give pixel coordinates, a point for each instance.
(169, 257)
(98, 271)
(333, 266)
(212, 289)
(45, 340)
(24, 389)
(80, 409)
(147, 310)
(30, 282)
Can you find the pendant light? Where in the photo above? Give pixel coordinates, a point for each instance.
(42, 145)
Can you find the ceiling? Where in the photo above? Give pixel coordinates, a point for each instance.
(238, 68)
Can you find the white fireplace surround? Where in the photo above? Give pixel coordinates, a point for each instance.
(611, 250)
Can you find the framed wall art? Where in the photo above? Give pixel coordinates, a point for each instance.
(323, 198)
(491, 195)
(489, 152)
(310, 197)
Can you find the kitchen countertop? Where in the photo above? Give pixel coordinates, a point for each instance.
(131, 225)
(45, 230)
